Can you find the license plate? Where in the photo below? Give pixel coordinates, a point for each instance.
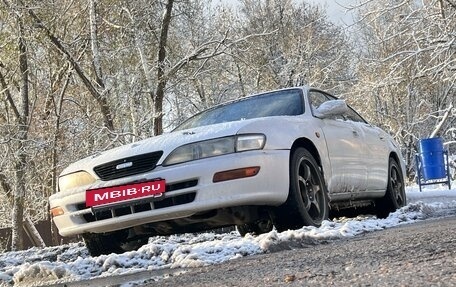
(105, 195)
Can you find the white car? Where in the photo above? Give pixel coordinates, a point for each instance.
(281, 158)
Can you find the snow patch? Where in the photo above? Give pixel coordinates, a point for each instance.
(37, 266)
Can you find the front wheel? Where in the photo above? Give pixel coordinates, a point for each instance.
(307, 202)
(115, 242)
(395, 192)
(255, 228)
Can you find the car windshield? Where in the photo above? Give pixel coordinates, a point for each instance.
(279, 103)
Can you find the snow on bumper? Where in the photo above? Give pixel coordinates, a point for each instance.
(191, 180)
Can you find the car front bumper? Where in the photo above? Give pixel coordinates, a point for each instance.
(191, 190)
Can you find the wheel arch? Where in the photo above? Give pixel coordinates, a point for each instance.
(309, 145)
(394, 156)
(399, 161)
(295, 213)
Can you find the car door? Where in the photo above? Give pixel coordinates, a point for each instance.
(346, 149)
(377, 157)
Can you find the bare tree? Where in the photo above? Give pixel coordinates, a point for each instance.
(22, 115)
(406, 73)
(98, 93)
(303, 47)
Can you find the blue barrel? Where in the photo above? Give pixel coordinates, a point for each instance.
(433, 163)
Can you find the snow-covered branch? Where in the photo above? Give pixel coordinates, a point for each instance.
(438, 127)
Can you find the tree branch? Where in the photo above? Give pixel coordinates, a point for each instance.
(99, 97)
(4, 184)
(9, 98)
(440, 124)
(453, 5)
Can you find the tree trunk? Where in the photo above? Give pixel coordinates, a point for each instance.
(33, 233)
(94, 40)
(146, 68)
(55, 153)
(29, 228)
(160, 92)
(17, 242)
(158, 107)
(21, 160)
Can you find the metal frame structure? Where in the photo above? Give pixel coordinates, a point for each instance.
(421, 180)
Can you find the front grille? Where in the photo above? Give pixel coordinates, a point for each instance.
(134, 165)
(145, 204)
(136, 207)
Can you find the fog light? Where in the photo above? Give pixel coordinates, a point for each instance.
(236, 173)
(56, 211)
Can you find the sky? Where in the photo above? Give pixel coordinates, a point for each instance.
(337, 10)
(72, 262)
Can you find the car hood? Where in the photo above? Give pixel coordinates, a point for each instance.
(166, 143)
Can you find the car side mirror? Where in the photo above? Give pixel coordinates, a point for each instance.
(331, 108)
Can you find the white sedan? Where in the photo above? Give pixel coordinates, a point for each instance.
(281, 158)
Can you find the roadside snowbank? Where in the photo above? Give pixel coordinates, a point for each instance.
(38, 266)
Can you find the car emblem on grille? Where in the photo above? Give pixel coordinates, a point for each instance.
(124, 165)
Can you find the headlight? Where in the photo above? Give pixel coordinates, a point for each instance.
(215, 147)
(249, 142)
(72, 180)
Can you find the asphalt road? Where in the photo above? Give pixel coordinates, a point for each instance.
(419, 254)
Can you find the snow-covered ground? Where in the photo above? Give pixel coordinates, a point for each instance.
(72, 262)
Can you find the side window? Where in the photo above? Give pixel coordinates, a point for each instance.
(317, 98)
(351, 115)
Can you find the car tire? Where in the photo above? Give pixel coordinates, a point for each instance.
(395, 192)
(115, 242)
(255, 228)
(308, 202)
(99, 244)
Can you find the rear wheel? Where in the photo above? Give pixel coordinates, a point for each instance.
(395, 192)
(307, 202)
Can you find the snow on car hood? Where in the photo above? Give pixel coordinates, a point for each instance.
(166, 143)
